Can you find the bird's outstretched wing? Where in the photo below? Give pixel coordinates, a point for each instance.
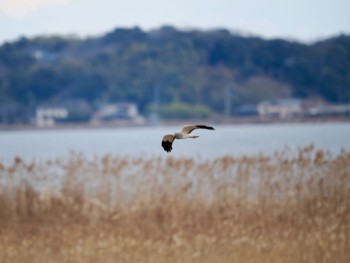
(189, 128)
(167, 142)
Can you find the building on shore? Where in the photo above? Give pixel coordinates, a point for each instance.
(117, 113)
(48, 116)
(280, 109)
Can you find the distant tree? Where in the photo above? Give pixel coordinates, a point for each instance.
(181, 69)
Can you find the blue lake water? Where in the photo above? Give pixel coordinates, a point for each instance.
(225, 140)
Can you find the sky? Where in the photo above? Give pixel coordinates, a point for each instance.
(300, 20)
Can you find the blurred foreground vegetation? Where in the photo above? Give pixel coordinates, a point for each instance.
(215, 70)
(279, 208)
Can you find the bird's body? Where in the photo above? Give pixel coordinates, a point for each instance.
(168, 139)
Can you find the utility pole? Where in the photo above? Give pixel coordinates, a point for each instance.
(227, 100)
(155, 111)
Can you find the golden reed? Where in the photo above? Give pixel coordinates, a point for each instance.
(285, 207)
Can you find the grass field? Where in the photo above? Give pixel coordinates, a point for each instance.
(285, 207)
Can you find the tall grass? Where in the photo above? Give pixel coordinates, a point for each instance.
(278, 208)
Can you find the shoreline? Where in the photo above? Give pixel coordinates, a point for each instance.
(162, 123)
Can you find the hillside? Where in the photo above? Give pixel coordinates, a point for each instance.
(172, 67)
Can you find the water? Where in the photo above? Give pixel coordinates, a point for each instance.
(233, 140)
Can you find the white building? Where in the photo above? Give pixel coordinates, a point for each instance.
(117, 112)
(329, 110)
(46, 117)
(281, 109)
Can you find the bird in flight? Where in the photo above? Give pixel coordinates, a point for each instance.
(167, 141)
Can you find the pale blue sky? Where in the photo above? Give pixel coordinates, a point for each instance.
(302, 20)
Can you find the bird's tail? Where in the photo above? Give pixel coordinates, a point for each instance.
(194, 136)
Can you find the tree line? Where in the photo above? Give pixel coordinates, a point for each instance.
(168, 67)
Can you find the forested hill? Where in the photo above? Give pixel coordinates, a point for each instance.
(168, 65)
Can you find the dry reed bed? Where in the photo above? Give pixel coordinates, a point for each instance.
(279, 208)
